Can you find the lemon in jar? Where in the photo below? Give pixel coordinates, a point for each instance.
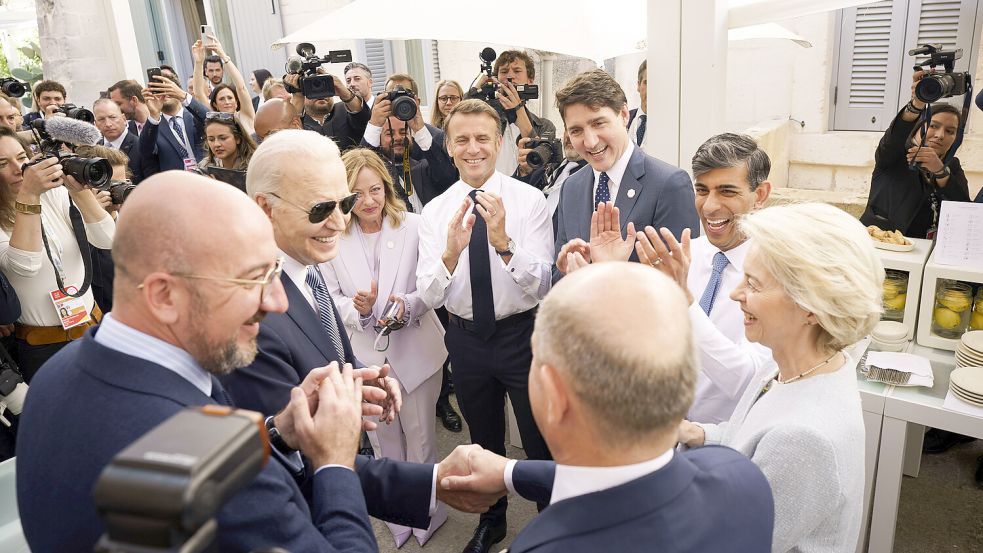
(946, 318)
(895, 303)
(976, 321)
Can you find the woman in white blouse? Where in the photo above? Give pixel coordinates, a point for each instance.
(30, 197)
(812, 287)
(375, 270)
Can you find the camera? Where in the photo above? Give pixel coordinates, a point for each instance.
(932, 88)
(118, 190)
(12, 87)
(487, 57)
(545, 149)
(305, 64)
(403, 103)
(13, 390)
(76, 112)
(94, 172)
(526, 91)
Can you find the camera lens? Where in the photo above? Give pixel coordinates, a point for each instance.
(90, 171)
(934, 87)
(12, 87)
(404, 108)
(539, 155)
(81, 114)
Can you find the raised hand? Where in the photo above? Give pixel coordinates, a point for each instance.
(458, 234)
(577, 246)
(492, 210)
(365, 300)
(673, 260)
(606, 242)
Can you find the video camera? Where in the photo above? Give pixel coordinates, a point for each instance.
(12, 87)
(163, 491)
(545, 149)
(306, 63)
(932, 88)
(54, 133)
(525, 91)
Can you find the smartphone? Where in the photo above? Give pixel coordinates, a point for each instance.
(151, 73)
(206, 31)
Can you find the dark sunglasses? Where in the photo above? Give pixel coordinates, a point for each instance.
(322, 210)
(219, 116)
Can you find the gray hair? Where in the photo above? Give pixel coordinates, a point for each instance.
(826, 263)
(733, 150)
(279, 153)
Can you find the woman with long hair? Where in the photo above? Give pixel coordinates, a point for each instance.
(223, 97)
(448, 94)
(257, 79)
(228, 145)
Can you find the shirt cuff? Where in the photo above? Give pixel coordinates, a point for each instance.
(153, 121)
(187, 100)
(433, 492)
(365, 320)
(711, 433)
(423, 138)
(322, 467)
(509, 467)
(373, 135)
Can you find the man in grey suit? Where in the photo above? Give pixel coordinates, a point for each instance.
(644, 190)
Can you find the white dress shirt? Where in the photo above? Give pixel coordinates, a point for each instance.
(517, 286)
(615, 174)
(115, 144)
(297, 273)
(728, 361)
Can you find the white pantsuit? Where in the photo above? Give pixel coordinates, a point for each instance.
(415, 353)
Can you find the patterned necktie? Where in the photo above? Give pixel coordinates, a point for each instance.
(325, 309)
(719, 264)
(641, 129)
(482, 298)
(179, 134)
(603, 193)
(219, 394)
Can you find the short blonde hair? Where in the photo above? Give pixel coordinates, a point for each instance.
(357, 159)
(826, 263)
(268, 87)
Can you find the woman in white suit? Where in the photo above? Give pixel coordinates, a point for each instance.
(376, 268)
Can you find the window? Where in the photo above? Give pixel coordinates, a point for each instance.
(873, 69)
(378, 56)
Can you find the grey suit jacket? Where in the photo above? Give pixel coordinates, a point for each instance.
(652, 192)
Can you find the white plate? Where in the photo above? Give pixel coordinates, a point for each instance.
(969, 379)
(967, 399)
(970, 359)
(973, 340)
(970, 395)
(893, 247)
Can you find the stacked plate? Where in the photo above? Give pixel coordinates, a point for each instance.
(969, 353)
(966, 383)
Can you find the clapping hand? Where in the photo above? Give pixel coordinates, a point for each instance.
(459, 232)
(329, 436)
(606, 242)
(673, 260)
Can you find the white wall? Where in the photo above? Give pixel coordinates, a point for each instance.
(297, 14)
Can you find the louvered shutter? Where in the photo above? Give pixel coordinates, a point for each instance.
(871, 49)
(435, 60)
(378, 56)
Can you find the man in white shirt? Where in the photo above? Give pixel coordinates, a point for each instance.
(490, 267)
(637, 117)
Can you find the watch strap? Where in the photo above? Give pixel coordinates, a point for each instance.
(276, 440)
(29, 209)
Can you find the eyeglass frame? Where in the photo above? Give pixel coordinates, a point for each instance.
(447, 99)
(275, 271)
(220, 116)
(352, 198)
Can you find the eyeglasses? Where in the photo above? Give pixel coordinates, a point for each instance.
(264, 282)
(322, 210)
(448, 99)
(220, 116)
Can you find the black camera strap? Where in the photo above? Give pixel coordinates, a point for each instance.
(78, 228)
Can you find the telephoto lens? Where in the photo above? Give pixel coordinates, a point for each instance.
(12, 87)
(75, 112)
(89, 171)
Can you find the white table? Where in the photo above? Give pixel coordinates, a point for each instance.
(872, 399)
(906, 407)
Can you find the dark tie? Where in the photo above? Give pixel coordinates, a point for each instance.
(603, 193)
(482, 298)
(325, 309)
(179, 134)
(710, 292)
(219, 394)
(641, 129)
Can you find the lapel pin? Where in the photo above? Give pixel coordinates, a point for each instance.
(390, 245)
(631, 192)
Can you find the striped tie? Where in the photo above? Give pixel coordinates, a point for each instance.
(325, 309)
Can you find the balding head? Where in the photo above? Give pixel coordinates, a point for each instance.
(176, 228)
(617, 336)
(275, 115)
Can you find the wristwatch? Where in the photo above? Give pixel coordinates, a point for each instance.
(276, 440)
(942, 173)
(29, 209)
(910, 108)
(509, 249)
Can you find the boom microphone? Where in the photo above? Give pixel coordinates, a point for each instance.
(72, 131)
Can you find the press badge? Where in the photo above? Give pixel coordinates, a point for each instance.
(190, 164)
(71, 311)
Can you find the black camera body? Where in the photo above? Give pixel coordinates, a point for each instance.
(932, 88)
(12, 87)
(76, 112)
(118, 190)
(403, 103)
(94, 172)
(313, 85)
(545, 150)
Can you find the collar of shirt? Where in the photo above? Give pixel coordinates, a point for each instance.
(570, 481)
(119, 140)
(616, 173)
(167, 118)
(125, 339)
(493, 185)
(297, 273)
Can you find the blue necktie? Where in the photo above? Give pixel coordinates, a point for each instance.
(325, 309)
(603, 193)
(179, 134)
(640, 135)
(482, 297)
(719, 264)
(219, 394)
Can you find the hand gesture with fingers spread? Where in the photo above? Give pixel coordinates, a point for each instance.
(673, 260)
(606, 243)
(458, 234)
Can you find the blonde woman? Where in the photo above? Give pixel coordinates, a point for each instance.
(373, 274)
(449, 94)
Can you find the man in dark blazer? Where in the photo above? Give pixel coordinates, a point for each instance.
(646, 191)
(647, 496)
(117, 134)
(173, 137)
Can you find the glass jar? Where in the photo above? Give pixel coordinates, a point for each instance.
(953, 307)
(895, 295)
(976, 319)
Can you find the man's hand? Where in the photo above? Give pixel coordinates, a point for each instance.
(524, 168)
(492, 210)
(458, 234)
(198, 51)
(606, 243)
(154, 103)
(417, 122)
(162, 86)
(471, 479)
(381, 110)
(331, 435)
(915, 77)
(508, 95)
(383, 391)
(926, 156)
(573, 247)
(51, 111)
(673, 261)
(292, 79)
(365, 300)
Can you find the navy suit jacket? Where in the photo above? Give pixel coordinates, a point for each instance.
(707, 499)
(159, 147)
(652, 192)
(432, 171)
(131, 147)
(89, 402)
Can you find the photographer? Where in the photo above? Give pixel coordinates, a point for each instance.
(344, 122)
(48, 96)
(908, 200)
(512, 68)
(30, 197)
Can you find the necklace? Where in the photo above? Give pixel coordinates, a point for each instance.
(806, 372)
